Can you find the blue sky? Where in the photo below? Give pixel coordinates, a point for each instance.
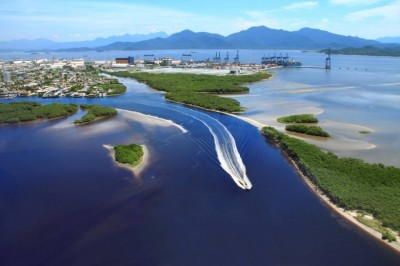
(74, 20)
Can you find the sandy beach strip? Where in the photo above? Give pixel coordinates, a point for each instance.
(136, 170)
(149, 119)
(349, 215)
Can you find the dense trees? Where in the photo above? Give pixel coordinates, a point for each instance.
(95, 112)
(349, 183)
(190, 88)
(308, 130)
(207, 101)
(129, 154)
(16, 112)
(303, 118)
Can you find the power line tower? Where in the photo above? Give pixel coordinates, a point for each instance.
(328, 60)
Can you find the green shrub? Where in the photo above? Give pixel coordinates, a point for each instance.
(389, 236)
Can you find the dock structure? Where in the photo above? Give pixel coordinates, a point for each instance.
(217, 58)
(226, 59)
(279, 60)
(236, 59)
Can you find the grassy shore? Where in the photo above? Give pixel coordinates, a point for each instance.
(16, 112)
(95, 112)
(349, 183)
(198, 89)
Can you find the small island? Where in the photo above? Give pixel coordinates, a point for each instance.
(95, 112)
(18, 112)
(130, 154)
(308, 130)
(200, 90)
(296, 124)
(133, 157)
(302, 118)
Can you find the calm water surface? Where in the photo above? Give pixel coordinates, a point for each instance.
(63, 202)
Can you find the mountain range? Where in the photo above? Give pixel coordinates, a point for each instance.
(389, 39)
(44, 44)
(260, 37)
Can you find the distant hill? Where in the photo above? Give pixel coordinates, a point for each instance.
(389, 39)
(263, 37)
(259, 37)
(43, 44)
(183, 40)
(326, 38)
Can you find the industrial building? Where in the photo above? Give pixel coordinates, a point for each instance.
(125, 60)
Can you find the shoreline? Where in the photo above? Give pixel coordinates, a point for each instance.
(136, 170)
(323, 197)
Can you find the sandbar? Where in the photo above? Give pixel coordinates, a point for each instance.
(149, 119)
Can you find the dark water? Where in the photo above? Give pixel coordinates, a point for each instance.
(63, 202)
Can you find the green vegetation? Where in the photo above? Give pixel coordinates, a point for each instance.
(95, 112)
(75, 88)
(129, 154)
(367, 50)
(190, 88)
(205, 100)
(374, 224)
(308, 130)
(350, 183)
(364, 132)
(389, 236)
(16, 112)
(113, 89)
(303, 118)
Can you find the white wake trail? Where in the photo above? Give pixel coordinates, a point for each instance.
(225, 145)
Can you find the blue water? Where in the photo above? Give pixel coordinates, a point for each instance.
(63, 202)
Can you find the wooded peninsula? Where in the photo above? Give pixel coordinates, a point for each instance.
(16, 112)
(349, 183)
(199, 90)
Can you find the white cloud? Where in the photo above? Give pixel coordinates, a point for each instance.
(302, 5)
(389, 12)
(354, 2)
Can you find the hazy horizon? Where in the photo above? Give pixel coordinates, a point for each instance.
(87, 20)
